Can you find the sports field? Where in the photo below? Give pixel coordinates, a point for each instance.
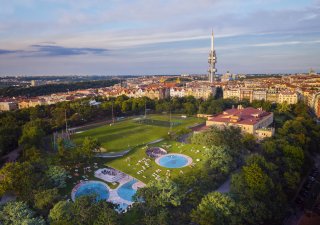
(131, 133)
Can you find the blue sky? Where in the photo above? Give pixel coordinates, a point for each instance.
(56, 37)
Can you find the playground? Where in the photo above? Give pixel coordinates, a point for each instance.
(134, 132)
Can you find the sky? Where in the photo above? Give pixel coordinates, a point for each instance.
(138, 37)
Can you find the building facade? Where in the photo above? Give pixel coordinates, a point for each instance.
(8, 106)
(250, 120)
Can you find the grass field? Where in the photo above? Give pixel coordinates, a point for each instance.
(129, 163)
(129, 133)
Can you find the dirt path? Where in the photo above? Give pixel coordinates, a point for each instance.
(13, 155)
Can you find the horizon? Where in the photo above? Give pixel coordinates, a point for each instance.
(42, 38)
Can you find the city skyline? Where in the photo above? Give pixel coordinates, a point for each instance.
(157, 37)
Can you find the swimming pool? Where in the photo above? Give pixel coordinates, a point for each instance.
(174, 161)
(126, 191)
(97, 188)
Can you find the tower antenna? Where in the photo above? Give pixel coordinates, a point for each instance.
(212, 61)
(65, 118)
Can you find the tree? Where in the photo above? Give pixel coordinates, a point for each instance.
(32, 134)
(126, 106)
(58, 117)
(45, 199)
(190, 108)
(215, 209)
(57, 175)
(161, 192)
(291, 179)
(295, 133)
(249, 141)
(19, 213)
(9, 134)
(61, 213)
(17, 177)
(89, 146)
(219, 159)
(260, 200)
(256, 180)
(106, 216)
(157, 197)
(87, 210)
(227, 136)
(61, 148)
(295, 156)
(33, 155)
(283, 107)
(160, 218)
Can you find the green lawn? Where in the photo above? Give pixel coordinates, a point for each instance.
(128, 163)
(128, 133)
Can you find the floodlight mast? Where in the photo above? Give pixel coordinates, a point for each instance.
(65, 118)
(145, 109)
(170, 115)
(112, 113)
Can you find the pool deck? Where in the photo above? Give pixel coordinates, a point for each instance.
(113, 193)
(115, 198)
(157, 160)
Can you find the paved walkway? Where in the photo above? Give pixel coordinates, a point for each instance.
(6, 198)
(112, 154)
(12, 156)
(225, 187)
(122, 153)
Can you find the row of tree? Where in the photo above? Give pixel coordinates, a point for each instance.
(48, 89)
(52, 117)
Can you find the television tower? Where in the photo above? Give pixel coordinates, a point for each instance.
(212, 59)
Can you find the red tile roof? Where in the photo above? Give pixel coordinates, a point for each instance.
(247, 116)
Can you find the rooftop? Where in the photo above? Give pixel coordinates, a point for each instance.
(246, 116)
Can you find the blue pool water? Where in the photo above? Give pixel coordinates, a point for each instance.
(93, 188)
(126, 191)
(173, 161)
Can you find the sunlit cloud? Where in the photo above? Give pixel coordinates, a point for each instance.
(120, 34)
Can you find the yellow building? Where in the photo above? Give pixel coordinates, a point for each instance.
(8, 106)
(288, 97)
(31, 103)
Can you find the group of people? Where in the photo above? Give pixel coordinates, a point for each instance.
(109, 172)
(155, 152)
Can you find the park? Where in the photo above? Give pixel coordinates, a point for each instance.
(137, 140)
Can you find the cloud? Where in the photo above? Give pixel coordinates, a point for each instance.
(4, 52)
(270, 44)
(155, 33)
(54, 50)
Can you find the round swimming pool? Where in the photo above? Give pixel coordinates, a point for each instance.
(97, 188)
(126, 191)
(174, 161)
